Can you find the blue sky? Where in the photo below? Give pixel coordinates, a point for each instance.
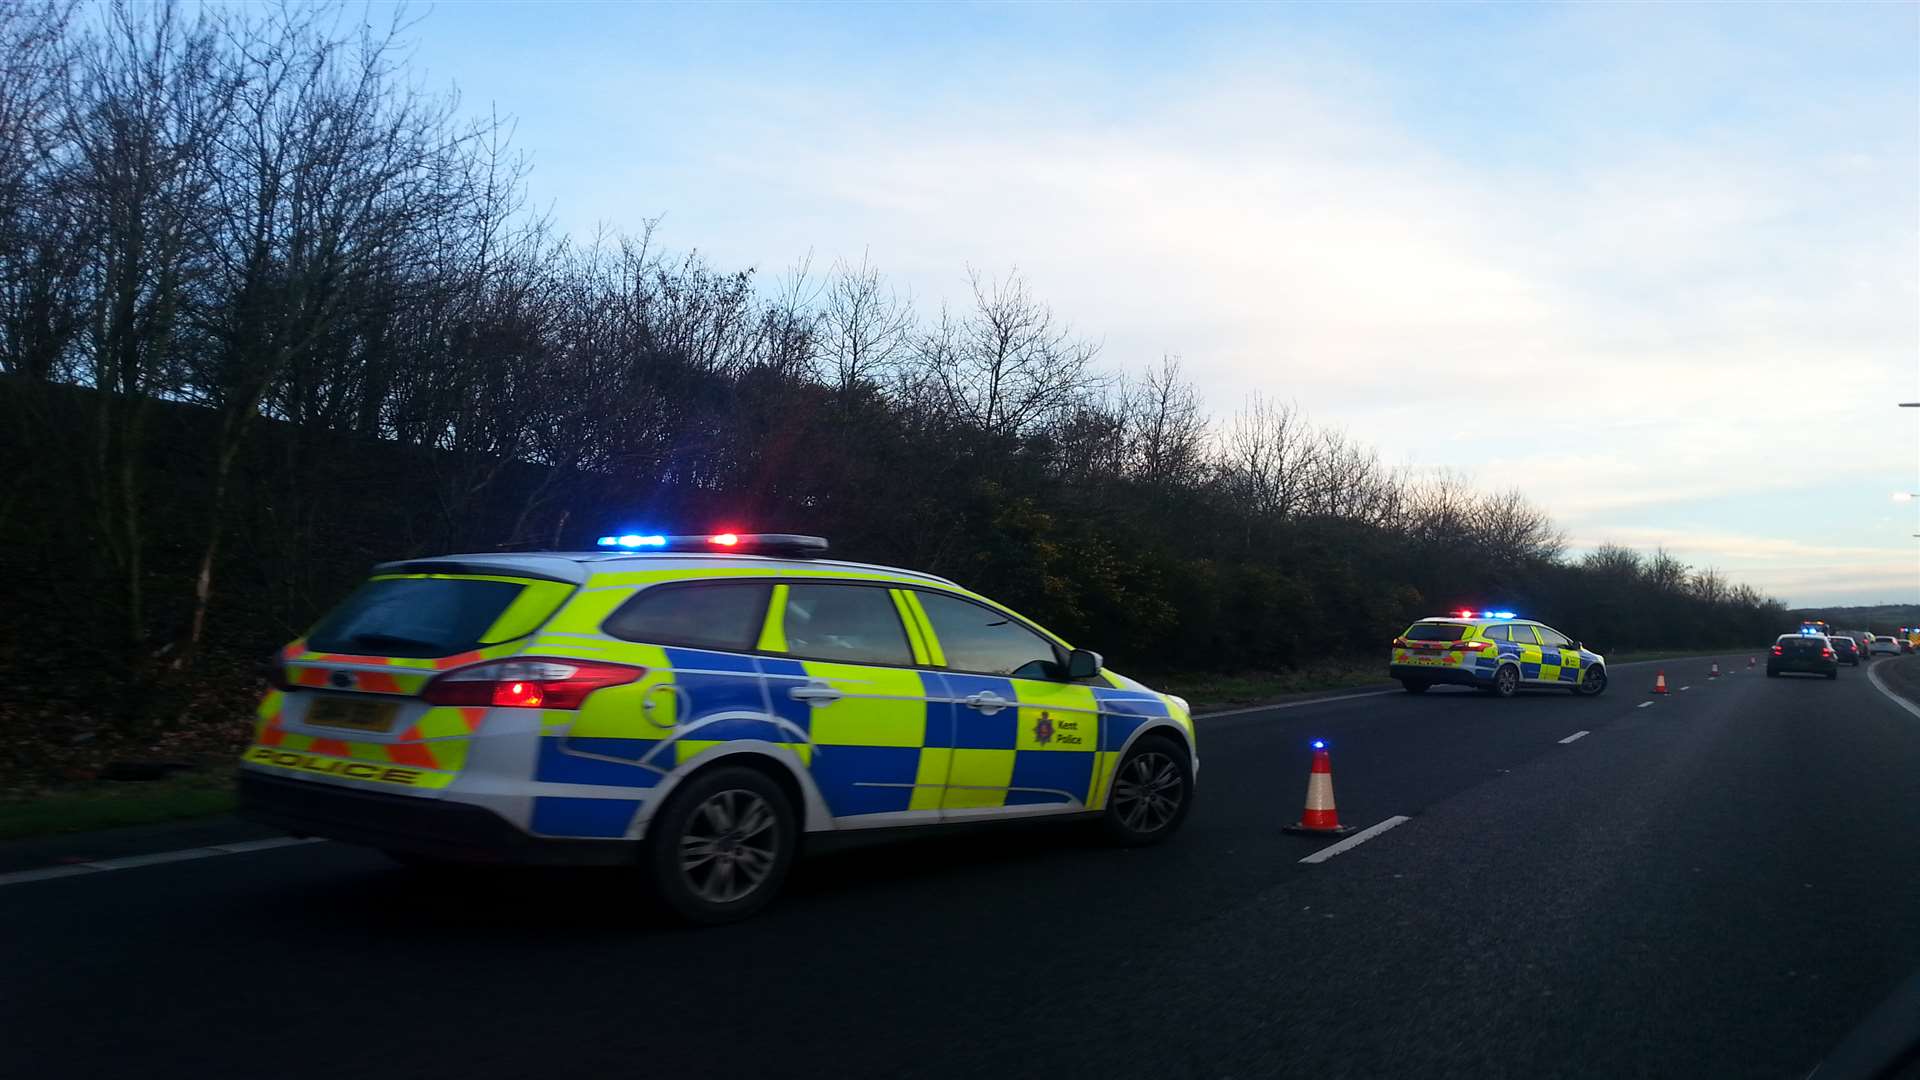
(1657, 265)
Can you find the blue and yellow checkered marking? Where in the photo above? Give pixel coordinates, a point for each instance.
(898, 740)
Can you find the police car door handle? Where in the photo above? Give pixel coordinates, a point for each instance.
(815, 693)
(987, 702)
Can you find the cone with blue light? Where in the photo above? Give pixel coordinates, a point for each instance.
(1321, 817)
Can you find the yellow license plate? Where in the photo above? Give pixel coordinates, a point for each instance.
(1418, 659)
(355, 715)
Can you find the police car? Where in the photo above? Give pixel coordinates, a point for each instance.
(695, 704)
(1496, 652)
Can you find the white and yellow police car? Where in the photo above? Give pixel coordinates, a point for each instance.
(696, 705)
(1496, 652)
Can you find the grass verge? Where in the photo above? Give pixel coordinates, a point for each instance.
(1211, 691)
(104, 804)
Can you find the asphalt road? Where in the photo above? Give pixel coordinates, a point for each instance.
(1720, 884)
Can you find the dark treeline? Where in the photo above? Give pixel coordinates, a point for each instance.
(269, 312)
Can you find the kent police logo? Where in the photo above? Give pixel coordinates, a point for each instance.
(1043, 729)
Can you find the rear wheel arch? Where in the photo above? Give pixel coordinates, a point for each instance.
(779, 763)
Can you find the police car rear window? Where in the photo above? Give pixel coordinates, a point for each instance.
(1427, 631)
(706, 615)
(416, 617)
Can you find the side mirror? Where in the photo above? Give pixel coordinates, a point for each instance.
(1084, 664)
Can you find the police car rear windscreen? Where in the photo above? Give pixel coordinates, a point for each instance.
(1434, 632)
(415, 616)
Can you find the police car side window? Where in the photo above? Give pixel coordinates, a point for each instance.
(1524, 635)
(979, 639)
(1554, 638)
(1495, 633)
(705, 615)
(850, 624)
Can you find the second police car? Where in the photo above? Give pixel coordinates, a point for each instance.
(1496, 652)
(695, 705)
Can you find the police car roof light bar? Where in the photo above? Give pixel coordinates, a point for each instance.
(791, 544)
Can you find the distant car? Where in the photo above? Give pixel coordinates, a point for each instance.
(1845, 649)
(1862, 640)
(1885, 645)
(1807, 654)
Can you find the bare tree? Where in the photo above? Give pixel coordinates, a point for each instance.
(1006, 367)
(329, 164)
(142, 117)
(1268, 458)
(1166, 429)
(866, 328)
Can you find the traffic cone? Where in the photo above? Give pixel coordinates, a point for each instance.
(1715, 673)
(1660, 683)
(1320, 817)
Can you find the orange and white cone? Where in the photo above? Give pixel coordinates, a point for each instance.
(1660, 683)
(1320, 817)
(1715, 672)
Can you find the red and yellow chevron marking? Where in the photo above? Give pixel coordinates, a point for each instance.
(437, 741)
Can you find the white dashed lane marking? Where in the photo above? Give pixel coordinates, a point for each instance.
(1355, 840)
(1579, 735)
(1644, 705)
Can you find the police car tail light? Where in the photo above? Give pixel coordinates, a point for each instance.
(1778, 651)
(1470, 646)
(527, 684)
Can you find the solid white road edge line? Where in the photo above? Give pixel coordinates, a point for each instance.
(1644, 705)
(130, 862)
(1293, 704)
(1355, 840)
(1873, 676)
(1578, 735)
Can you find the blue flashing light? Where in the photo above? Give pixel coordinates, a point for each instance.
(1503, 614)
(633, 540)
(1319, 744)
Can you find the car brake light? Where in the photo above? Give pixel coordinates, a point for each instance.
(1778, 651)
(527, 684)
(1399, 643)
(1469, 646)
(1826, 652)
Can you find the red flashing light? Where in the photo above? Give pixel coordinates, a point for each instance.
(726, 539)
(1464, 613)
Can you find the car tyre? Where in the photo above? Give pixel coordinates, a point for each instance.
(1834, 674)
(1414, 686)
(1506, 682)
(1593, 683)
(721, 847)
(1151, 793)
(1772, 672)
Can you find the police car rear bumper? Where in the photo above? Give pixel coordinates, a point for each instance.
(1440, 676)
(411, 824)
